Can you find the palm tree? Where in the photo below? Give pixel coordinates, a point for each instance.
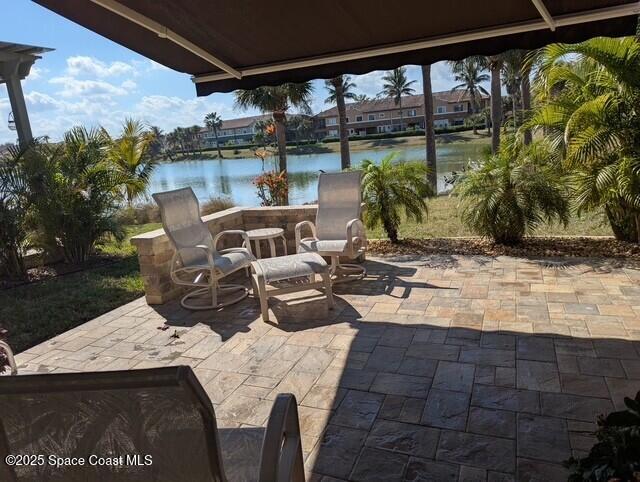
(513, 192)
(469, 75)
(129, 153)
(340, 88)
(396, 84)
(277, 101)
(495, 66)
(587, 96)
(361, 98)
(157, 146)
(213, 122)
(389, 188)
(429, 132)
(512, 65)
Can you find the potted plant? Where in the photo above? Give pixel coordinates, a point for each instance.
(7, 362)
(616, 455)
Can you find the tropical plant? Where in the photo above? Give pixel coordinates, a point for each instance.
(429, 131)
(361, 98)
(213, 122)
(513, 61)
(508, 195)
(616, 455)
(389, 188)
(341, 88)
(277, 100)
(494, 64)
(273, 188)
(588, 96)
(157, 145)
(470, 76)
(14, 210)
(130, 154)
(75, 191)
(395, 85)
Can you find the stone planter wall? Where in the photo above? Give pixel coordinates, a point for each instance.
(155, 250)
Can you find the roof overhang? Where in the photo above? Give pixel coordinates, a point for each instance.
(247, 43)
(19, 57)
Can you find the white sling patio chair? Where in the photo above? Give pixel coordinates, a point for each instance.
(197, 262)
(338, 230)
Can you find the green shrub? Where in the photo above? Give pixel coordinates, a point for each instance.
(214, 205)
(389, 188)
(391, 135)
(508, 195)
(616, 455)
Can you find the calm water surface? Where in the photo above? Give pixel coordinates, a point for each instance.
(233, 178)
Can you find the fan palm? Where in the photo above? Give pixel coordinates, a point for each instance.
(390, 188)
(341, 88)
(130, 155)
(277, 100)
(396, 84)
(510, 194)
(470, 76)
(588, 95)
(361, 98)
(214, 122)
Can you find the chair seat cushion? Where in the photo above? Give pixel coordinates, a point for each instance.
(329, 246)
(226, 261)
(291, 266)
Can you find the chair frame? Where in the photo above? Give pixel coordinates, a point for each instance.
(281, 454)
(206, 282)
(13, 367)
(340, 272)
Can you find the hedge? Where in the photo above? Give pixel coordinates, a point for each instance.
(417, 132)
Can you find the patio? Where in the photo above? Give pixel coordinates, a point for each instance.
(431, 368)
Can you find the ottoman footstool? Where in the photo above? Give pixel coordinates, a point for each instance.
(267, 272)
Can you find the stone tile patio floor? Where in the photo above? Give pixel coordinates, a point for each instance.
(435, 368)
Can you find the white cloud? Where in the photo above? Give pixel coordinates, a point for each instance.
(81, 65)
(72, 87)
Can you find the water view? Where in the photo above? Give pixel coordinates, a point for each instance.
(233, 178)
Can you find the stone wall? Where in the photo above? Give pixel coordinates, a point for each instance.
(155, 250)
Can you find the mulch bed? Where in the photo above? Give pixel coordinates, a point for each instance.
(573, 247)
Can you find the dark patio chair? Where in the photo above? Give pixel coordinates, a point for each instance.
(162, 415)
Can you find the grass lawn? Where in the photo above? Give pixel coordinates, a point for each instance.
(443, 222)
(36, 312)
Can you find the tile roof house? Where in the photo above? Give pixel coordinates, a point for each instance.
(383, 115)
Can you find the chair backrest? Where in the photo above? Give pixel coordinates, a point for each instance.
(181, 220)
(339, 200)
(161, 413)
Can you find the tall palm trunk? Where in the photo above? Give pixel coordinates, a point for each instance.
(400, 105)
(474, 109)
(496, 103)
(345, 157)
(525, 87)
(215, 133)
(279, 119)
(429, 132)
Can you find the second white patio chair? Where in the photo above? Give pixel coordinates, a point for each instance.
(338, 231)
(197, 263)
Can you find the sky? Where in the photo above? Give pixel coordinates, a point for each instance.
(90, 80)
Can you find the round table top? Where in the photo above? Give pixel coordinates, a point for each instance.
(265, 233)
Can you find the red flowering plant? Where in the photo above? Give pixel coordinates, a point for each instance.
(273, 188)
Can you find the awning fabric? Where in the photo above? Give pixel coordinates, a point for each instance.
(276, 41)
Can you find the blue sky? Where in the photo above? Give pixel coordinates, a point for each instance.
(91, 80)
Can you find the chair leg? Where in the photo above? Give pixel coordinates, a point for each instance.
(326, 277)
(214, 292)
(262, 294)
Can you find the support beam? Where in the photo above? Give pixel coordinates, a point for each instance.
(544, 12)
(530, 26)
(164, 32)
(16, 98)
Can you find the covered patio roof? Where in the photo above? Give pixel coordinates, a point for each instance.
(249, 43)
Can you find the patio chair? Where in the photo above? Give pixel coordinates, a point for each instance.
(338, 231)
(160, 421)
(12, 368)
(197, 263)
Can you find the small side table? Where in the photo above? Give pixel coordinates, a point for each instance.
(270, 234)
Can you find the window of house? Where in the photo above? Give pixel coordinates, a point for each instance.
(442, 109)
(358, 118)
(332, 121)
(458, 108)
(351, 131)
(381, 115)
(372, 117)
(411, 113)
(333, 133)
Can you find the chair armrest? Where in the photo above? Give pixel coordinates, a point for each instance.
(360, 231)
(281, 458)
(12, 361)
(239, 232)
(298, 231)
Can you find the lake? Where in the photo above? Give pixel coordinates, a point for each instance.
(233, 178)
